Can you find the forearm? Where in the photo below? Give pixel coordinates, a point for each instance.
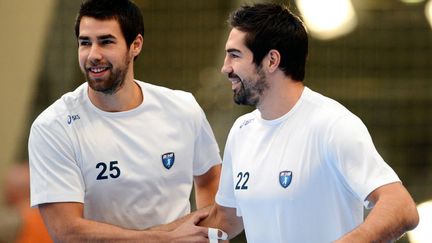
(224, 219)
(381, 225)
(206, 186)
(82, 230)
(393, 215)
(173, 225)
(65, 223)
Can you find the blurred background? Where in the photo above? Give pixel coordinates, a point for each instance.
(375, 57)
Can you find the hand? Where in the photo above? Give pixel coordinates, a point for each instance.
(189, 231)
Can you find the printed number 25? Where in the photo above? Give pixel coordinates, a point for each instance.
(112, 168)
(242, 180)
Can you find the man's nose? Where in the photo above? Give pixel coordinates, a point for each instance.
(95, 53)
(226, 68)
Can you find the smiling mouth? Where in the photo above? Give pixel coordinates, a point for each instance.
(97, 69)
(234, 78)
(235, 83)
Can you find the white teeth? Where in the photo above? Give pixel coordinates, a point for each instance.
(97, 70)
(235, 84)
(234, 81)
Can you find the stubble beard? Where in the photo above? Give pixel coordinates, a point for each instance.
(114, 81)
(251, 91)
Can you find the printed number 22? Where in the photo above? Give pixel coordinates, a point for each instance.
(112, 168)
(242, 178)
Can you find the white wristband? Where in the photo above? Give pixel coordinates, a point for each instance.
(216, 234)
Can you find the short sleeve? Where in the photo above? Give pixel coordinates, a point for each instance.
(206, 152)
(353, 153)
(54, 173)
(225, 195)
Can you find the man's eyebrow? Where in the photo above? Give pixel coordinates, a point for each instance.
(230, 50)
(109, 36)
(83, 38)
(102, 37)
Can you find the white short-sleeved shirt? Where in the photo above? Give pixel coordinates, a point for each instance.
(132, 169)
(303, 177)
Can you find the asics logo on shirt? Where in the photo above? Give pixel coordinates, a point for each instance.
(72, 118)
(245, 123)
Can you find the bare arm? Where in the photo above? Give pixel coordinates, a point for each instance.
(65, 223)
(394, 213)
(224, 218)
(176, 223)
(206, 186)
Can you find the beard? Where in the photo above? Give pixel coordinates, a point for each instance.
(113, 82)
(250, 90)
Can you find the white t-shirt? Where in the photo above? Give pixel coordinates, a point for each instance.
(132, 169)
(303, 177)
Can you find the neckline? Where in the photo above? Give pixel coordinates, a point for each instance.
(277, 121)
(119, 113)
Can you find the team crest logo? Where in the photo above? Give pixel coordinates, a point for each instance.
(285, 178)
(168, 160)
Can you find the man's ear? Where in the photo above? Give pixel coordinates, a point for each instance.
(273, 60)
(136, 45)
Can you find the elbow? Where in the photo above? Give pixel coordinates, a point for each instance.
(408, 215)
(70, 233)
(412, 217)
(59, 237)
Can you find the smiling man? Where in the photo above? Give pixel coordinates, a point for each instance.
(301, 167)
(117, 156)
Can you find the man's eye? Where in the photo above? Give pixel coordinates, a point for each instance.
(106, 42)
(232, 55)
(84, 43)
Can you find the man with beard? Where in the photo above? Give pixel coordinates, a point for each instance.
(117, 155)
(301, 166)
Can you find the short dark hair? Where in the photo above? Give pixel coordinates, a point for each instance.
(124, 11)
(273, 26)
